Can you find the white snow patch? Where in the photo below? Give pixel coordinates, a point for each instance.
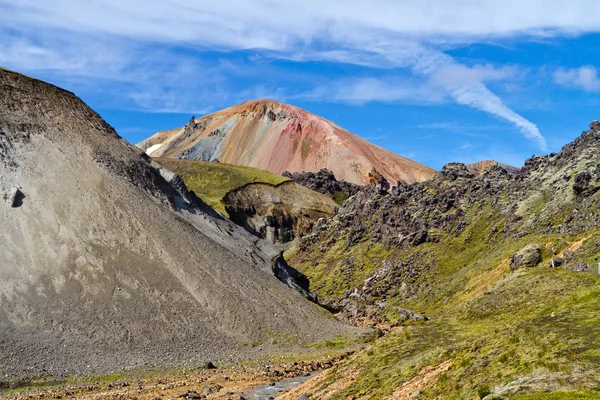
(153, 148)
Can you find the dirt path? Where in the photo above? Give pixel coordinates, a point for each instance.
(427, 377)
(574, 246)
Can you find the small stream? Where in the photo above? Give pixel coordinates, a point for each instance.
(270, 392)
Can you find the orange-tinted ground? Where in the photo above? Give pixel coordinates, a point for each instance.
(229, 382)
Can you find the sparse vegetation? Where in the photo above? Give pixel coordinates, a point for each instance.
(305, 149)
(525, 333)
(575, 395)
(340, 197)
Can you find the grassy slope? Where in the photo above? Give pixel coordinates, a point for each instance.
(573, 395)
(535, 321)
(496, 326)
(212, 180)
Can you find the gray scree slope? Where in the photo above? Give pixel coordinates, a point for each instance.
(105, 264)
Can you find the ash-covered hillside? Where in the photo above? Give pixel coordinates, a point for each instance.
(107, 261)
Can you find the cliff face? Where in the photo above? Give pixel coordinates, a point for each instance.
(278, 213)
(279, 137)
(107, 261)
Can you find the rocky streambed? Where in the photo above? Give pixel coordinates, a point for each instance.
(272, 390)
(250, 382)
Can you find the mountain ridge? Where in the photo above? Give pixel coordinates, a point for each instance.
(482, 166)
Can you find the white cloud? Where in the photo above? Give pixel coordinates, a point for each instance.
(585, 77)
(275, 24)
(460, 75)
(445, 78)
(65, 56)
(108, 40)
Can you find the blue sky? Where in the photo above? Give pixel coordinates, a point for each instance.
(433, 80)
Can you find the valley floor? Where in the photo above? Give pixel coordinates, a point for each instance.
(227, 382)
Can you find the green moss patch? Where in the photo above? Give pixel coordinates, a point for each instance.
(212, 180)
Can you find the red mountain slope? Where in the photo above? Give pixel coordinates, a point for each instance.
(479, 167)
(279, 137)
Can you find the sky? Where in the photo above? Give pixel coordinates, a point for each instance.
(434, 80)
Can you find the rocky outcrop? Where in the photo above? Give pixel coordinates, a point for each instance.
(583, 183)
(529, 256)
(375, 178)
(443, 248)
(402, 227)
(324, 181)
(366, 306)
(480, 167)
(280, 213)
(279, 137)
(453, 171)
(410, 215)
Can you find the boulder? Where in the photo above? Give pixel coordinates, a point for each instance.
(453, 171)
(14, 197)
(529, 256)
(581, 267)
(207, 365)
(583, 186)
(556, 262)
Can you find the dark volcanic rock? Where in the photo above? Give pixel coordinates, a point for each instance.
(15, 197)
(484, 166)
(553, 194)
(324, 182)
(582, 185)
(453, 171)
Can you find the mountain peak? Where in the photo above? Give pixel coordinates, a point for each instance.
(263, 101)
(280, 137)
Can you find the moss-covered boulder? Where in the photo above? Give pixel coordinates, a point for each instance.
(529, 256)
